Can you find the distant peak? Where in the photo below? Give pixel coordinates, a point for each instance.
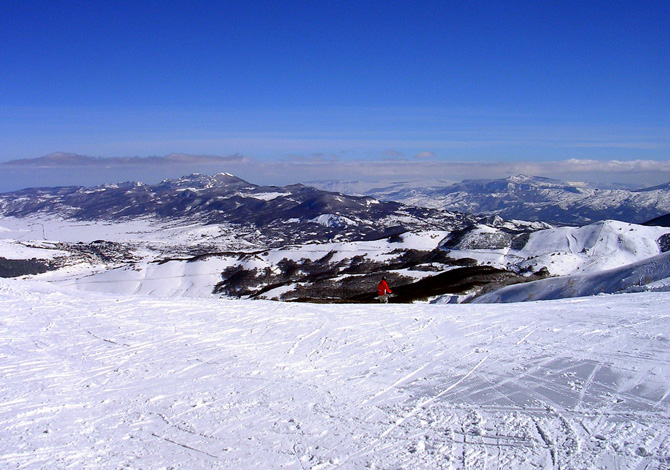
(531, 179)
(225, 175)
(204, 181)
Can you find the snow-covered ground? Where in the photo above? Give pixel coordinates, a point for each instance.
(197, 278)
(175, 278)
(147, 231)
(577, 255)
(100, 381)
(650, 274)
(567, 250)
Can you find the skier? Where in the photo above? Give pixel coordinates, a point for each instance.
(383, 290)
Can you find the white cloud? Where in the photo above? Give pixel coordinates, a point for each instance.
(424, 154)
(623, 166)
(635, 172)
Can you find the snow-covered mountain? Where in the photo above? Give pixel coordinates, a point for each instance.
(527, 198)
(222, 236)
(649, 274)
(279, 215)
(126, 226)
(563, 250)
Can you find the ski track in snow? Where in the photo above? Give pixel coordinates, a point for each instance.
(100, 381)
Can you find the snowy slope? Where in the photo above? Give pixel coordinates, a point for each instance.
(564, 250)
(11, 249)
(197, 278)
(99, 382)
(169, 279)
(165, 260)
(651, 273)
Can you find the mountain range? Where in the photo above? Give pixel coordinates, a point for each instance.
(524, 198)
(220, 235)
(280, 215)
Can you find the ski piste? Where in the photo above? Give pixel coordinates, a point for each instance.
(102, 381)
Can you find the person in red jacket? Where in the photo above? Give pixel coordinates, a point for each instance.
(383, 290)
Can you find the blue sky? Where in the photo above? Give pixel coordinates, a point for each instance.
(340, 82)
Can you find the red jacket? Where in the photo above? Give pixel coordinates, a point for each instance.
(383, 288)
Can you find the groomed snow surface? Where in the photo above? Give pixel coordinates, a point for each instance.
(98, 381)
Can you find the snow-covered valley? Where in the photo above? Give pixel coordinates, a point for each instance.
(101, 381)
(168, 259)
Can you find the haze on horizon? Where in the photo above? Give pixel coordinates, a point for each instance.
(278, 93)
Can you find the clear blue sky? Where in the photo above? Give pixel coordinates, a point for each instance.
(354, 80)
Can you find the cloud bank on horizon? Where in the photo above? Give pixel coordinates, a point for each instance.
(60, 169)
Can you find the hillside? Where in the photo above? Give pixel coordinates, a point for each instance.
(220, 235)
(561, 250)
(147, 258)
(649, 274)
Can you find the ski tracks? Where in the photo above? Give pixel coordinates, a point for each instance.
(98, 383)
(305, 337)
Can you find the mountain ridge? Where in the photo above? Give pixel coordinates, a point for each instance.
(296, 212)
(531, 198)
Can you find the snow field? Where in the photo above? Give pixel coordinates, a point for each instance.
(567, 250)
(11, 249)
(101, 381)
(169, 279)
(377, 250)
(198, 278)
(649, 274)
(140, 231)
(597, 247)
